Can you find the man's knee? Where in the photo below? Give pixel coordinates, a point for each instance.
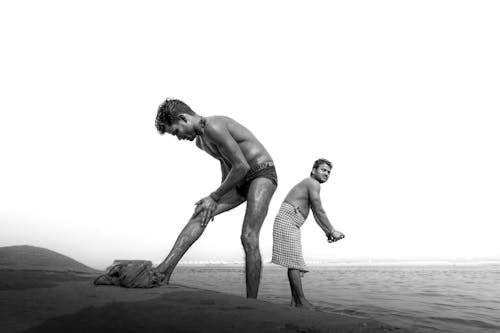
(250, 240)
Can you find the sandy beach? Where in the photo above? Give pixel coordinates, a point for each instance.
(44, 301)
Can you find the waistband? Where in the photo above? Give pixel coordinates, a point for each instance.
(295, 208)
(261, 166)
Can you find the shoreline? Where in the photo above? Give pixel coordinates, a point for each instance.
(36, 301)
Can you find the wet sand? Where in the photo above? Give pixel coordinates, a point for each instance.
(41, 301)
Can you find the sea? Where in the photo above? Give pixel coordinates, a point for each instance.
(417, 297)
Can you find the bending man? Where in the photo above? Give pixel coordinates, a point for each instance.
(248, 174)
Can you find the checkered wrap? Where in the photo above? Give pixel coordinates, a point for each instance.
(287, 247)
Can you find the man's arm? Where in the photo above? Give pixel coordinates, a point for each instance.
(224, 168)
(230, 151)
(320, 214)
(317, 208)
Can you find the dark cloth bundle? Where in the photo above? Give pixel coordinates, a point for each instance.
(130, 274)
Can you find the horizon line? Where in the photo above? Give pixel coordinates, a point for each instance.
(364, 262)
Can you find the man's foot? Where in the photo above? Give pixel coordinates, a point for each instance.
(165, 280)
(304, 304)
(162, 278)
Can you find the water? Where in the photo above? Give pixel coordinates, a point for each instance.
(444, 298)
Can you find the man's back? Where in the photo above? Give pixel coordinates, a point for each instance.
(299, 196)
(220, 126)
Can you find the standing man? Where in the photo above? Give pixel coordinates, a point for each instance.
(287, 246)
(248, 174)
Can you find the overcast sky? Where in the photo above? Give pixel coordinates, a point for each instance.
(402, 97)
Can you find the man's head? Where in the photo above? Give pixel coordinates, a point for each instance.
(176, 117)
(321, 170)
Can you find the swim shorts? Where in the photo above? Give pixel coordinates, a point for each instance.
(262, 170)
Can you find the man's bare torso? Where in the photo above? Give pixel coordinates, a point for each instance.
(299, 196)
(253, 151)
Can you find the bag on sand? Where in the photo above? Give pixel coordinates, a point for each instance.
(130, 274)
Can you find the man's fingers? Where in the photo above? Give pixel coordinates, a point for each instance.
(204, 218)
(208, 216)
(206, 213)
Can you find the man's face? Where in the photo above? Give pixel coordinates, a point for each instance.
(182, 129)
(322, 173)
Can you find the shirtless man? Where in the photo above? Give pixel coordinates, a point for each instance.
(287, 248)
(248, 174)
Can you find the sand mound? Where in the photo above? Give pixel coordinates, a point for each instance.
(37, 258)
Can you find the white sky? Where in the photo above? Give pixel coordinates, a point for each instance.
(402, 96)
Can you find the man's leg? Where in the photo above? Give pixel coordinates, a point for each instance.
(191, 232)
(259, 196)
(296, 286)
(293, 302)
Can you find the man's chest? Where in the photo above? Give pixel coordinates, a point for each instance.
(208, 147)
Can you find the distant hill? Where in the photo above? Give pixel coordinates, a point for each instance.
(37, 258)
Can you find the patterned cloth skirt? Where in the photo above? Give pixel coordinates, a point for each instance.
(287, 246)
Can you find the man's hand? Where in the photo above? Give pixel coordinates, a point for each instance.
(206, 209)
(334, 236)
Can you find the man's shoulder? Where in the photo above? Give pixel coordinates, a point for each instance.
(221, 126)
(305, 183)
(216, 123)
(218, 119)
(311, 183)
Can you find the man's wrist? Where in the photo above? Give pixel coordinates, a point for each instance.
(215, 197)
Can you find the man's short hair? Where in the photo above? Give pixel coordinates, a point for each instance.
(320, 161)
(169, 112)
